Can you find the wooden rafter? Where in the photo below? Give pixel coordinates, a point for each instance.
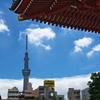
(81, 14)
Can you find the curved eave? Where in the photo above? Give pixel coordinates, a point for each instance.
(66, 13)
(15, 4)
(19, 6)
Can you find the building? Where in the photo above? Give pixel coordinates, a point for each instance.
(77, 14)
(60, 97)
(39, 92)
(49, 89)
(26, 70)
(13, 93)
(85, 94)
(48, 92)
(73, 94)
(42, 91)
(29, 94)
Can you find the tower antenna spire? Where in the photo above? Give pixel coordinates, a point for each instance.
(26, 42)
(26, 71)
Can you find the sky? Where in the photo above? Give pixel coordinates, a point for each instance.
(66, 55)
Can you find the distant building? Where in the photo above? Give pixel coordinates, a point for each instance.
(48, 92)
(60, 97)
(73, 94)
(39, 92)
(85, 94)
(29, 93)
(13, 93)
(45, 92)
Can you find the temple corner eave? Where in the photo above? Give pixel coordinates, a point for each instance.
(20, 18)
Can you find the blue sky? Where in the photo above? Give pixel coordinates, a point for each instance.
(54, 52)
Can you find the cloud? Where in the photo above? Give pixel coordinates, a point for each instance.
(81, 43)
(1, 12)
(61, 84)
(34, 26)
(66, 30)
(46, 47)
(94, 49)
(3, 26)
(38, 36)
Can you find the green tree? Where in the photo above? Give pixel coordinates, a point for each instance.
(0, 97)
(94, 86)
(43, 98)
(37, 98)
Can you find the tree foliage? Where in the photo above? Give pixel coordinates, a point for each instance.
(43, 98)
(94, 86)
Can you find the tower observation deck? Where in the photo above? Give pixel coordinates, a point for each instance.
(26, 70)
(77, 14)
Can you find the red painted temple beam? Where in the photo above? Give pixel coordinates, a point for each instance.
(77, 14)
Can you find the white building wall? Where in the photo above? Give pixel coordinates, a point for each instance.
(85, 94)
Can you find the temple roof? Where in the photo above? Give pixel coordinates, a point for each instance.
(77, 14)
